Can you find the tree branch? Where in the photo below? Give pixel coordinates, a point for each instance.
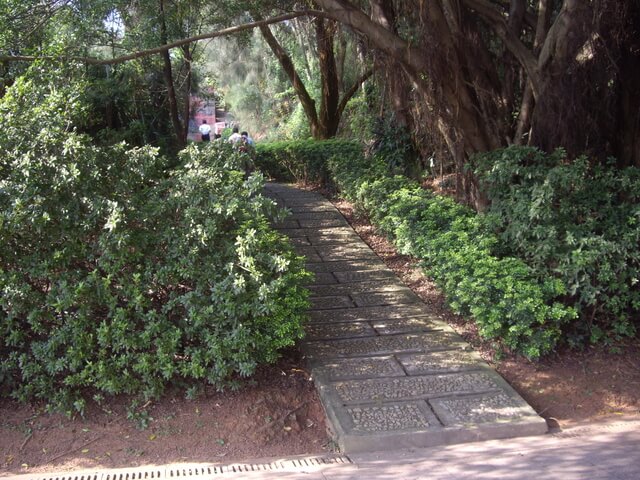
(352, 91)
(496, 20)
(385, 40)
(554, 45)
(169, 46)
(308, 104)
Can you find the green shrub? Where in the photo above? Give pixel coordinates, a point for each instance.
(119, 276)
(393, 146)
(303, 160)
(457, 249)
(576, 222)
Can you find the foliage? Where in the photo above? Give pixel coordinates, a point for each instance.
(123, 104)
(392, 144)
(574, 221)
(304, 160)
(294, 127)
(255, 89)
(120, 276)
(507, 301)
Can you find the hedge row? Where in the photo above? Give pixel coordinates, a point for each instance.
(555, 258)
(303, 160)
(120, 276)
(576, 221)
(503, 295)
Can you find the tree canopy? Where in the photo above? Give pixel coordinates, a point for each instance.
(461, 76)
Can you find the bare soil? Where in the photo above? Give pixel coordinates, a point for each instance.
(279, 414)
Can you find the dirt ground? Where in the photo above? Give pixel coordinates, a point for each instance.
(279, 413)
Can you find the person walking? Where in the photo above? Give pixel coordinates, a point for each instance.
(235, 136)
(247, 139)
(205, 131)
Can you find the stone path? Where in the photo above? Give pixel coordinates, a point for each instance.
(390, 374)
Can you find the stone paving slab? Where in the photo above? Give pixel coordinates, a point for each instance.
(389, 285)
(333, 252)
(376, 390)
(332, 222)
(372, 313)
(363, 275)
(320, 207)
(336, 232)
(316, 331)
(391, 298)
(324, 278)
(409, 325)
(317, 215)
(384, 344)
(358, 368)
(305, 239)
(346, 265)
(332, 239)
(329, 303)
(439, 362)
(390, 373)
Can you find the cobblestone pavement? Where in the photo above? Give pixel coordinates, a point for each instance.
(391, 374)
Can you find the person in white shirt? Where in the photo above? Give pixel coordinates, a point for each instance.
(205, 131)
(235, 136)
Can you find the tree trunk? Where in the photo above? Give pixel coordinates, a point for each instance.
(167, 75)
(328, 117)
(188, 57)
(463, 112)
(437, 73)
(325, 123)
(383, 39)
(3, 81)
(383, 13)
(628, 141)
(526, 107)
(308, 104)
(341, 56)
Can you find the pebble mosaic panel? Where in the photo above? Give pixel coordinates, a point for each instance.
(353, 368)
(389, 418)
(400, 388)
(443, 361)
(489, 408)
(419, 342)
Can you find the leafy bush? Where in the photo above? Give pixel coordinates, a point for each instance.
(303, 160)
(119, 276)
(392, 145)
(576, 222)
(457, 248)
